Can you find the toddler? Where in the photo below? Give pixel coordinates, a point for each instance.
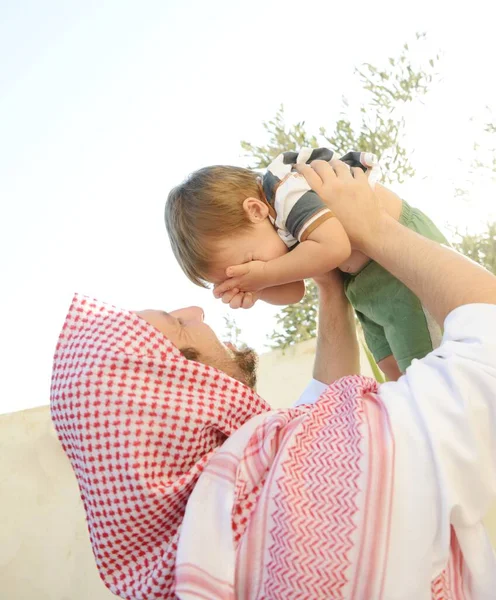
(258, 238)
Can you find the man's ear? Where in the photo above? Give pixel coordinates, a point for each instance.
(256, 210)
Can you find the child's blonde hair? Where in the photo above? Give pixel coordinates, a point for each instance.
(205, 208)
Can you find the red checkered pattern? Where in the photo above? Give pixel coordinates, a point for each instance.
(138, 422)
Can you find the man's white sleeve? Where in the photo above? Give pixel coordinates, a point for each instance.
(443, 419)
(448, 401)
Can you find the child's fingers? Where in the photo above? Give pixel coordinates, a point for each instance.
(238, 270)
(219, 290)
(248, 300)
(215, 290)
(229, 295)
(224, 287)
(237, 301)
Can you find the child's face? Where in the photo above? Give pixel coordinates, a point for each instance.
(259, 242)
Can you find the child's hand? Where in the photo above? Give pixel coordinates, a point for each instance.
(247, 277)
(237, 299)
(244, 300)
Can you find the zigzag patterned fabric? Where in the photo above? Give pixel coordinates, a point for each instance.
(300, 504)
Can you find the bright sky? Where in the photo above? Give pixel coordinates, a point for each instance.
(104, 106)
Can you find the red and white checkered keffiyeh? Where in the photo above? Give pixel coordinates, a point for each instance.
(138, 422)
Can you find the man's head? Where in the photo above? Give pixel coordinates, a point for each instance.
(139, 422)
(216, 218)
(186, 330)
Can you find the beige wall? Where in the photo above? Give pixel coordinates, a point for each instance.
(283, 375)
(45, 552)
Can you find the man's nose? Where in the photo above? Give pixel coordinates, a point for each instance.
(191, 313)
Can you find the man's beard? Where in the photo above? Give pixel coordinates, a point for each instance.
(245, 362)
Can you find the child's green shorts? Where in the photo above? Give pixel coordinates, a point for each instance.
(393, 320)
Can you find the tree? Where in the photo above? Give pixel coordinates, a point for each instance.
(297, 322)
(480, 247)
(378, 127)
(481, 167)
(232, 333)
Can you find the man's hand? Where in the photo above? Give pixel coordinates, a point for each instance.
(441, 278)
(350, 197)
(248, 277)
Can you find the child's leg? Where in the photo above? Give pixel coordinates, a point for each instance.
(414, 335)
(390, 368)
(393, 320)
(375, 338)
(385, 302)
(411, 331)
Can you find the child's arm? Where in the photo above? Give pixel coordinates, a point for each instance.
(326, 247)
(287, 293)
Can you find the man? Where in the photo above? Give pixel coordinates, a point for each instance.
(194, 488)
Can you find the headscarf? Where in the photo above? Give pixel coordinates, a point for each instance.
(139, 422)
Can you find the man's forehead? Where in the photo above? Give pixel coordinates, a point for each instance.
(159, 319)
